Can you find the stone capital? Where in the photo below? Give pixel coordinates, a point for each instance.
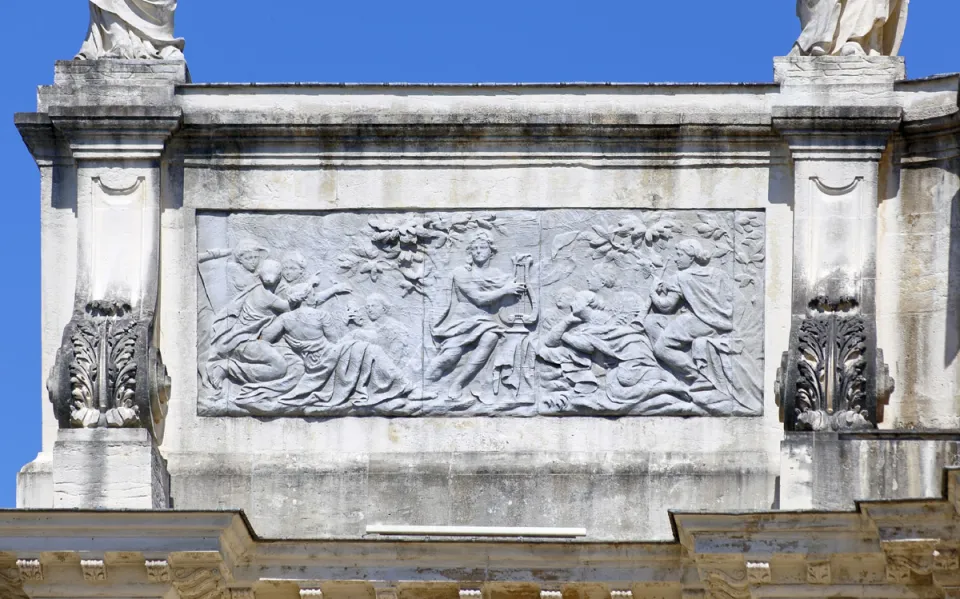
(116, 132)
(836, 133)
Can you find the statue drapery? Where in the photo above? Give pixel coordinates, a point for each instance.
(132, 29)
(850, 27)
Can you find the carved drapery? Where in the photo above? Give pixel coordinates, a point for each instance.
(622, 313)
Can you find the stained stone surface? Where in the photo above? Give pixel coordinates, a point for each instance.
(499, 313)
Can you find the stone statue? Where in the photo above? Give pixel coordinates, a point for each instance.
(850, 27)
(132, 29)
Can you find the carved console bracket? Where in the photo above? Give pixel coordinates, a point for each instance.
(833, 378)
(108, 374)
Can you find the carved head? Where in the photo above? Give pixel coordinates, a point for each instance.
(564, 298)
(249, 255)
(270, 273)
(601, 276)
(481, 248)
(293, 264)
(353, 314)
(690, 251)
(376, 306)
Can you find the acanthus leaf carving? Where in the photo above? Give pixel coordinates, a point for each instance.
(758, 573)
(31, 570)
(100, 377)
(831, 360)
(94, 570)
(923, 557)
(724, 579)
(819, 572)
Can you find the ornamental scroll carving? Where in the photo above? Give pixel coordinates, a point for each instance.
(834, 379)
(106, 374)
(497, 313)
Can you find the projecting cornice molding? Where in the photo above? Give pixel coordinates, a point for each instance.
(879, 550)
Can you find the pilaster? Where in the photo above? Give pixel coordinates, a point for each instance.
(110, 121)
(833, 377)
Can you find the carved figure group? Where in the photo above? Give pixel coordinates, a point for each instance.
(655, 314)
(675, 342)
(275, 344)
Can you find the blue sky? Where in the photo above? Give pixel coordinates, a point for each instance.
(373, 40)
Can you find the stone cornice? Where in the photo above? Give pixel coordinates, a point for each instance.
(880, 549)
(112, 132)
(837, 133)
(664, 140)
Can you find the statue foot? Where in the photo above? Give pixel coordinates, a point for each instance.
(420, 395)
(852, 49)
(217, 374)
(456, 390)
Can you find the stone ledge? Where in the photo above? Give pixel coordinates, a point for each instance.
(807, 70)
(113, 71)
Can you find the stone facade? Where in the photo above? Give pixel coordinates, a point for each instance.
(800, 194)
(585, 317)
(883, 549)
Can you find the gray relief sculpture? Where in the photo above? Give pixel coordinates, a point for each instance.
(500, 313)
(132, 29)
(850, 27)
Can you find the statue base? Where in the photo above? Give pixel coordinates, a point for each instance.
(820, 70)
(113, 82)
(112, 469)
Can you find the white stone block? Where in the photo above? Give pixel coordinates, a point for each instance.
(109, 469)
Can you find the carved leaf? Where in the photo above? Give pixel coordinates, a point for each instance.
(121, 344)
(704, 229)
(83, 369)
(563, 240)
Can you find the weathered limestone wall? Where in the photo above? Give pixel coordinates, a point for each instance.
(312, 149)
(918, 296)
(338, 475)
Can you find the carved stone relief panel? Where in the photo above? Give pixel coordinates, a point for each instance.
(494, 313)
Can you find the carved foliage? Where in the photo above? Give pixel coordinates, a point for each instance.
(83, 368)
(199, 583)
(30, 570)
(94, 570)
(918, 556)
(758, 573)
(102, 362)
(158, 571)
(11, 584)
(818, 572)
(831, 386)
(724, 579)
